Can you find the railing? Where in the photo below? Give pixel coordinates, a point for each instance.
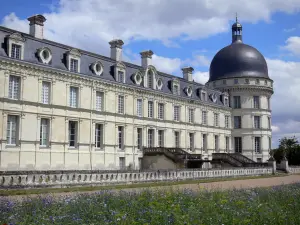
(228, 158)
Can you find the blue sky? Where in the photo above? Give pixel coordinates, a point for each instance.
(180, 33)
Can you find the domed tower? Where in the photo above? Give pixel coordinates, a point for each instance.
(242, 72)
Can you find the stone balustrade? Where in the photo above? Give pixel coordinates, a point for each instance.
(29, 179)
(294, 169)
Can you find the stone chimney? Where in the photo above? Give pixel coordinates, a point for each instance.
(36, 26)
(116, 49)
(188, 73)
(146, 58)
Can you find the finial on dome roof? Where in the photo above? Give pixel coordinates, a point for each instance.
(236, 18)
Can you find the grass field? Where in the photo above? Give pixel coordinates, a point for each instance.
(277, 205)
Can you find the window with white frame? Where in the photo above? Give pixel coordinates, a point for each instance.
(216, 119)
(73, 132)
(139, 138)
(121, 104)
(216, 143)
(191, 115)
(160, 111)
(160, 138)
(74, 97)
(237, 122)
(176, 139)
(204, 142)
(122, 163)
(46, 92)
(150, 138)
(176, 112)
(98, 135)
(257, 144)
(204, 117)
(74, 65)
(175, 89)
(227, 144)
(16, 51)
(120, 137)
(191, 141)
(238, 144)
(226, 121)
(256, 102)
(150, 109)
(12, 132)
(44, 132)
(237, 102)
(139, 107)
(99, 100)
(14, 87)
(121, 76)
(203, 96)
(256, 122)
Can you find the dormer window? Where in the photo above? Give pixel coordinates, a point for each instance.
(73, 60)
(74, 65)
(97, 68)
(120, 72)
(203, 95)
(44, 55)
(266, 82)
(247, 81)
(189, 91)
(257, 81)
(150, 79)
(175, 87)
(16, 51)
(15, 46)
(159, 83)
(137, 78)
(236, 81)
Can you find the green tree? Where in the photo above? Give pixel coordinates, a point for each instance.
(289, 148)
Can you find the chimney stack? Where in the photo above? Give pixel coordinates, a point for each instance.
(36, 26)
(116, 49)
(146, 58)
(188, 73)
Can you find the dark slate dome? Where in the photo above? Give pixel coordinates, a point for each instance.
(238, 59)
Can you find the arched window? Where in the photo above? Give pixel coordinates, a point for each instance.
(150, 79)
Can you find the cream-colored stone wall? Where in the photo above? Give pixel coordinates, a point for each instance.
(28, 154)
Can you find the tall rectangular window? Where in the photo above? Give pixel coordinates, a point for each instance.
(256, 102)
(150, 79)
(140, 163)
(139, 107)
(139, 138)
(160, 138)
(227, 144)
(74, 97)
(256, 122)
(270, 143)
(237, 122)
(269, 122)
(176, 90)
(121, 104)
(44, 132)
(74, 65)
(161, 111)
(191, 115)
(16, 51)
(176, 113)
(120, 137)
(12, 132)
(204, 142)
(122, 163)
(73, 132)
(46, 92)
(150, 109)
(238, 144)
(226, 121)
(216, 143)
(191, 141)
(99, 100)
(268, 99)
(121, 76)
(177, 139)
(204, 117)
(237, 102)
(216, 119)
(203, 96)
(98, 135)
(150, 138)
(14, 87)
(257, 144)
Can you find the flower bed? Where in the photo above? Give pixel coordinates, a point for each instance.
(277, 205)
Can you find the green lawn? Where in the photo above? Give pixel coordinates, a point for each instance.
(277, 205)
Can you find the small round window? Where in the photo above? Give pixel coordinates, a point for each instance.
(45, 55)
(97, 68)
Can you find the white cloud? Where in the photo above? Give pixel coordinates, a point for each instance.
(201, 77)
(91, 23)
(275, 129)
(293, 45)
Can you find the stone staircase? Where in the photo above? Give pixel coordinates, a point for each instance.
(236, 160)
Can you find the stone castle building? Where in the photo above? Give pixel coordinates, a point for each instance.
(65, 108)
